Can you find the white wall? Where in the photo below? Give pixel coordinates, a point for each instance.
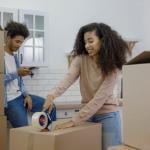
(25, 4)
(67, 16)
(128, 17)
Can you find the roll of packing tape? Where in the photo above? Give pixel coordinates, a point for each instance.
(40, 120)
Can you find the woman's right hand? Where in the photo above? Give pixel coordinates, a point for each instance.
(48, 103)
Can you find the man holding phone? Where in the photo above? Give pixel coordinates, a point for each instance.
(17, 99)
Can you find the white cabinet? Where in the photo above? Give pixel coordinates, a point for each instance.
(67, 110)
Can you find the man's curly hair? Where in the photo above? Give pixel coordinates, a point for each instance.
(15, 28)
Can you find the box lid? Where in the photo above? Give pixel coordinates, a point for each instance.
(142, 58)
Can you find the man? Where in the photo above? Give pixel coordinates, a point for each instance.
(17, 100)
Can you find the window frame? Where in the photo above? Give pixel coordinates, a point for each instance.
(8, 10)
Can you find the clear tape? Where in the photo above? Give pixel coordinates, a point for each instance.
(39, 120)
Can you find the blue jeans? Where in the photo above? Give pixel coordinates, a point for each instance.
(111, 128)
(17, 113)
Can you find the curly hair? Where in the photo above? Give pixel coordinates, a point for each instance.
(14, 28)
(112, 53)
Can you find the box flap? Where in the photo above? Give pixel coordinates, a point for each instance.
(142, 58)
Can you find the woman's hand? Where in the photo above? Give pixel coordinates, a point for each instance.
(28, 102)
(64, 125)
(48, 103)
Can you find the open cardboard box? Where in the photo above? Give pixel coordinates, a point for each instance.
(136, 97)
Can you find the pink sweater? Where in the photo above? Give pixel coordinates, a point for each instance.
(97, 93)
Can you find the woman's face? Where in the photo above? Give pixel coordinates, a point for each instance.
(92, 43)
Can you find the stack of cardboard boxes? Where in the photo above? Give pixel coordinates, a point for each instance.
(3, 126)
(136, 108)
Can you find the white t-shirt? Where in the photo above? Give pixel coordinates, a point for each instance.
(12, 88)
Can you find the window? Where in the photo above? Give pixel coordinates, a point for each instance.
(32, 53)
(6, 15)
(33, 50)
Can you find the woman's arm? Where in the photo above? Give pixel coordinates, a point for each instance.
(63, 85)
(68, 80)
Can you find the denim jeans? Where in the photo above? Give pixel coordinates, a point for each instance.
(17, 113)
(111, 128)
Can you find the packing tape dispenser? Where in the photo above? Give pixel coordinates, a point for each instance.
(41, 120)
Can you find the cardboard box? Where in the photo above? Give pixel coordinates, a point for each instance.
(136, 96)
(1, 65)
(1, 51)
(1, 94)
(121, 147)
(3, 133)
(84, 137)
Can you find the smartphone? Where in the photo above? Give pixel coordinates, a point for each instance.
(33, 68)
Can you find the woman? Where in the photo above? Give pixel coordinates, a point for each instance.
(99, 53)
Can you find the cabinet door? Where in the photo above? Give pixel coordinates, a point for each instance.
(6, 15)
(33, 50)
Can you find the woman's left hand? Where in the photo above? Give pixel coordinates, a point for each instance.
(64, 125)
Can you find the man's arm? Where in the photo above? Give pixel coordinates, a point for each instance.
(22, 71)
(10, 77)
(22, 88)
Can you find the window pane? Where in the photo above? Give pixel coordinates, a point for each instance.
(39, 55)
(29, 21)
(39, 39)
(27, 54)
(7, 17)
(29, 41)
(39, 22)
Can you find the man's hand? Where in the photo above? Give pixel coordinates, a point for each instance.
(23, 71)
(48, 103)
(67, 124)
(28, 102)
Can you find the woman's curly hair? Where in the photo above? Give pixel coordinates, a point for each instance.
(113, 49)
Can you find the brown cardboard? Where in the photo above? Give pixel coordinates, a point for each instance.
(3, 133)
(142, 58)
(1, 73)
(1, 65)
(1, 94)
(136, 96)
(121, 147)
(1, 51)
(1, 102)
(84, 137)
